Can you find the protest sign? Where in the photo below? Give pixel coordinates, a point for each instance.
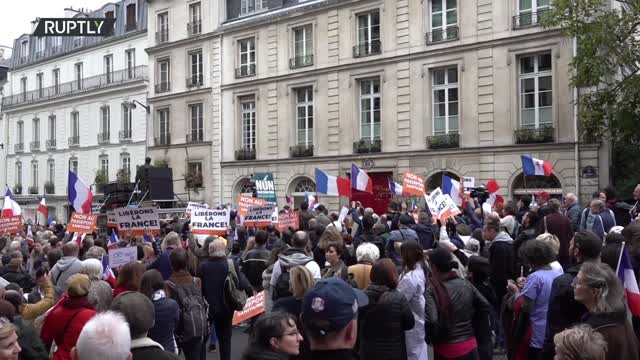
(288, 220)
(138, 221)
(11, 225)
(452, 208)
(431, 201)
(82, 223)
(274, 216)
(247, 201)
(112, 220)
(122, 256)
(412, 184)
(265, 186)
(259, 216)
(210, 221)
(343, 214)
(469, 182)
(191, 206)
(253, 307)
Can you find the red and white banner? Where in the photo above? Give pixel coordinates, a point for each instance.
(82, 223)
(253, 307)
(412, 184)
(288, 220)
(247, 201)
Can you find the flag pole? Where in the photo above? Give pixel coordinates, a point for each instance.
(620, 258)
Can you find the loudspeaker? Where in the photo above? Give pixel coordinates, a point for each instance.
(160, 180)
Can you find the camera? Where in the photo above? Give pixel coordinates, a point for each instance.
(481, 193)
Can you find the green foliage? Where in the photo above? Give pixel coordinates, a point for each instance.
(101, 177)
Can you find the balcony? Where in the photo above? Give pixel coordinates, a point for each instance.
(34, 146)
(450, 33)
(195, 80)
(373, 47)
(246, 154)
(74, 141)
(50, 144)
(195, 137)
(444, 141)
(163, 87)
(301, 150)
(130, 26)
(194, 28)
(19, 147)
(528, 19)
(124, 135)
(163, 140)
(300, 61)
(85, 85)
(103, 137)
(246, 70)
(162, 36)
(365, 146)
(534, 136)
(17, 189)
(33, 190)
(49, 188)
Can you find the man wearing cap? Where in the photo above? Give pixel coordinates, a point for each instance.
(329, 317)
(542, 197)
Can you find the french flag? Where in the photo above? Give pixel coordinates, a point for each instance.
(332, 185)
(451, 187)
(42, 208)
(395, 188)
(628, 278)
(107, 273)
(10, 207)
(113, 240)
(80, 239)
(80, 195)
(532, 166)
(360, 180)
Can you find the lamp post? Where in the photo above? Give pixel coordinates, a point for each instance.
(132, 105)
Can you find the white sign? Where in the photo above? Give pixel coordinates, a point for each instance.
(343, 214)
(432, 200)
(259, 216)
(469, 182)
(210, 221)
(194, 206)
(138, 220)
(122, 256)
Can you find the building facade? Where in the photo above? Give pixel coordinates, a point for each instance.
(71, 105)
(434, 87)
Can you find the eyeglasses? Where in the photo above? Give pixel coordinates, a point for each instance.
(292, 333)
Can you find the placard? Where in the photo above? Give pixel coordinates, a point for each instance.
(253, 307)
(469, 182)
(412, 184)
(274, 216)
(11, 225)
(343, 214)
(210, 221)
(82, 223)
(431, 201)
(259, 216)
(191, 206)
(112, 220)
(247, 201)
(453, 209)
(289, 219)
(122, 256)
(138, 221)
(265, 186)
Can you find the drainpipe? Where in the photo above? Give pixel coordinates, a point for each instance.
(575, 126)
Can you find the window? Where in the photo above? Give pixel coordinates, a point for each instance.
(197, 123)
(163, 27)
(536, 91)
(108, 68)
(247, 48)
(304, 116)
(40, 84)
(51, 171)
(55, 80)
(196, 77)
(248, 113)
(163, 127)
(302, 46)
(40, 47)
(57, 44)
(18, 173)
(529, 6)
(368, 41)
(125, 163)
(194, 174)
(24, 48)
(75, 129)
(164, 75)
(34, 174)
(252, 6)
(20, 132)
(370, 109)
(445, 101)
(52, 127)
(105, 123)
(130, 16)
(109, 14)
(23, 85)
(127, 113)
(104, 166)
(194, 26)
(77, 41)
(444, 20)
(130, 56)
(36, 129)
(73, 165)
(78, 75)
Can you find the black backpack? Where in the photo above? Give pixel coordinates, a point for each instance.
(194, 311)
(281, 289)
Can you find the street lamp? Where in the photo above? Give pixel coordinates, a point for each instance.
(132, 105)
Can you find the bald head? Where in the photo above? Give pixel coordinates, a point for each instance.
(70, 249)
(300, 240)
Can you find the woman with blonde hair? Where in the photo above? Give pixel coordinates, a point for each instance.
(580, 342)
(553, 243)
(9, 348)
(330, 235)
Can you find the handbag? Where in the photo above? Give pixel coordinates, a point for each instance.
(234, 298)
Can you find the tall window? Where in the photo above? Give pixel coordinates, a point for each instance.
(368, 33)
(303, 45)
(536, 91)
(530, 10)
(130, 17)
(55, 80)
(57, 45)
(34, 174)
(105, 123)
(163, 127)
(247, 49)
(195, 26)
(36, 129)
(125, 163)
(304, 116)
(445, 101)
(197, 123)
(248, 114)
(196, 71)
(51, 126)
(194, 170)
(40, 47)
(251, 6)
(104, 166)
(130, 58)
(78, 75)
(51, 171)
(20, 132)
(108, 68)
(164, 75)
(127, 114)
(163, 27)
(444, 20)
(24, 50)
(73, 165)
(23, 85)
(18, 173)
(75, 128)
(370, 109)
(40, 84)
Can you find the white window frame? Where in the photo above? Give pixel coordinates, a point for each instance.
(248, 122)
(23, 85)
(248, 7)
(77, 72)
(35, 133)
(35, 173)
(108, 67)
(40, 84)
(196, 78)
(104, 165)
(535, 7)
(19, 172)
(308, 107)
(162, 24)
(247, 48)
(443, 14)
(125, 162)
(307, 41)
(127, 123)
(163, 125)
(445, 87)
(196, 112)
(368, 41)
(195, 16)
(130, 62)
(24, 48)
(51, 127)
(20, 132)
(55, 80)
(75, 125)
(51, 170)
(73, 165)
(372, 96)
(535, 75)
(164, 75)
(40, 46)
(105, 120)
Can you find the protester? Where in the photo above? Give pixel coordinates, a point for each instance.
(9, 347)
(255, 261)
(580, 343)
(572, 210)
(599, 220)
(305, 215)
(166, 310)
(508, 221)
(100, 292)
(336, 267)
(129, 278)
(501, 258)
(635, 210)
(31, 311)
(528, 231)
(523, 207)
(289, 258)
(542, 199)
(36, 259)
(558, 225)
(170, 242)
(329, 235)
(28, 339)
(425, 230)
(275, 337)
(301, 281)
(398, 237)
(554, 244)
(366, 254)
(104, 337)
(66, 267)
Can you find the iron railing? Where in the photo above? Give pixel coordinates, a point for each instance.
(49, 188)
(131, 26)
(442, 35)
(534, 136)
(76, 87)
(194, 27)
(528, 19)
(365, 146)
(19, 147)
(301, 61)
(195, 137)
(195, 80)
(246, 154)
(246, 70)
(301, 150)
(104, 137)
(162, 87)
(124, 135)
(50, 144)
(34, 146)
(163, 140)
(372, 47)
(74, 140)
(162, 36)
(33, 190)
(444, 141)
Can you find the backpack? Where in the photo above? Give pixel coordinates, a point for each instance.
(194, 311)
(282, 289)
(234, 298)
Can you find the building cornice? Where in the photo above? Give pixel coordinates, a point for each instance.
(182, 145)
(182, 94)
(182, 42)
(77, 149)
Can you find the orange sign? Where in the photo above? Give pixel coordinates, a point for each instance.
(11, 225)
(288, 220)
(247, 201)
(412, 184)
(253, 307)
(82, 223)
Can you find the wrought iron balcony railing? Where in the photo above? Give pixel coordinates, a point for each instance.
(534, 136)
(366, 146)
(301, 150)
(104, 137)
(450, 33)
(301, 61)
(444, 141)
(162, 36)
(163, 87)
(33, 190)
(246, 154)
(246, 70)
(19, 147)
(163, 140)
(34, 146)
(528, 19)
(372, 47)
(50, 144)
(131, 26)
(195, 137)
(194, 27)
(195, 80)
(124, 135)
(74, 140)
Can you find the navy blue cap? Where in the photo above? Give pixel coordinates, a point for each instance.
(330, 305)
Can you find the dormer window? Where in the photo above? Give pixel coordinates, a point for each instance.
(130, 16)
(252, 6)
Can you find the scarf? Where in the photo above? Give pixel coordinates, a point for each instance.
(442, 295)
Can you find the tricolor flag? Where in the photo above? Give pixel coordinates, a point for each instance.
(42, 208)
(113, 240)
(360, 180)
(395, 188)
(80, 195)
(532, 166)
(10, 207)
(628, 278)
(79, 239)
(107, 273)
(332, 185)
(288, 199)
(451, 187)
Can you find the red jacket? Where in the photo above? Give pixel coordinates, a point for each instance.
(64, 324)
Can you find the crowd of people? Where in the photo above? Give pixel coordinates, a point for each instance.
(533, 279)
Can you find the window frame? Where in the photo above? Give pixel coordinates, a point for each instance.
(75, 125)
(125, 162)
(55, 80)
(245, 7)
(73, 165)
(198, 131)
(248, 119)
(130, 62)
(40, 84)
(164, 84)
(103, 162)
(35, 129)
(51, 171)
(107, 61)
(198, 77)
(35, 173)
(305, 41)
(18, 170)
(78, 69)
(51, 127)
(371, 96)
(369, 27)
(105, 120)
(163, 128)
(127, 121)
(444, 87)
(308, 106)
(250, 50)
(20, 132)
(536, 75)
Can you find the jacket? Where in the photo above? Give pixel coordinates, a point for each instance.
(574, 213)
(254, 353)
(339, 272)
(502, 260)
(163, 264)
(213, 273)
(304, 217)
(34, 263)
(622, 343)
(412, 285)
(32, 311)
(400, 236)
(382, 324)
(361, 274)
(29, 341)
(64, 324)
(290, 258)
(367, 237)
(63, 270)
(100, 295)
(426, 235)
(167, 315)
(147, 349)
(558, 225)
(466, 303)
(323, 219)
(255, 262)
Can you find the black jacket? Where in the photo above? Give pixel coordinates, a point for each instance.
(254, 264)
(622, 343)
(263, 354)
(167, 316)
(29, 341)
(383, 323)
(502, 259)
(426, 235)
(21, 278)
(366, 237)
(152, 353)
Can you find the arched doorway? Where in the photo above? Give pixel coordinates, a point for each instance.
(299, 187)
(435, 181)
(243, 186)
(529, 185)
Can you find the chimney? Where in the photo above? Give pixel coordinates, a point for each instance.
(34, 23)
(70, 12)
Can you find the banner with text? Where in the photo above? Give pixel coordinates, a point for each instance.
(412, 184)
(122, 256)
(112, 220)
(469, 182)
(265, 186)
(82, 223)
(289, 219)
(247, 201)
(11, 225)
(259, 216)
(253, 307)
(195, 206)
(138, 220)
(210, 221)
(431, 200)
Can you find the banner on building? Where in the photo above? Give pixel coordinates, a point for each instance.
(82, 223)
(265, 186)
(210, 221)
(259, 216)
(138, 221)
(289, 219)
(11, 225)
(412, 184)
(246, 201)
(253, 307)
